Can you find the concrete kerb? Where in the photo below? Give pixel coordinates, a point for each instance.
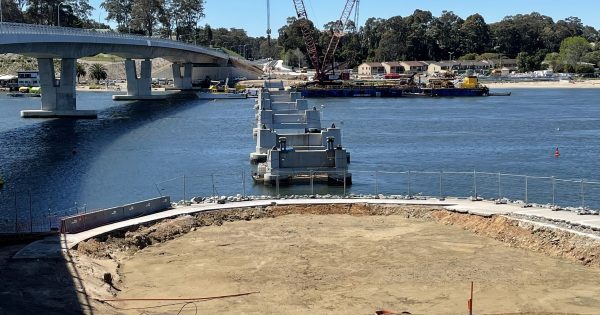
(456, 205)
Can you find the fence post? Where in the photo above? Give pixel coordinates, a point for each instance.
(344, 182)
(312, 185)
(184, 187)
(16, 214)
(441, 192)
(243, 183)
(409, 195)
(553, 192)
(376, 184)
(475, 183)
(526, 192)
(212, 178)
(277, 185)
(582, 195)
(499, 187)
(30, 216)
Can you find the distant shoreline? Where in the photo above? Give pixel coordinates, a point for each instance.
(578, 84)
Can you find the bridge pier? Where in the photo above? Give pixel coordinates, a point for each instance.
(182, 82)
(58, 97)
(138, 88)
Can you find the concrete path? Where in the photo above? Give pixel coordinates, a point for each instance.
(49, 247)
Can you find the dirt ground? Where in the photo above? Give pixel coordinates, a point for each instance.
(420, 262)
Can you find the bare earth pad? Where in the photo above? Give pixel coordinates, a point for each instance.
(354, 265)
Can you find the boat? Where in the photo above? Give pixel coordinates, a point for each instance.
(25, 91)
(350, 91)
(217, 91)
(445, 87)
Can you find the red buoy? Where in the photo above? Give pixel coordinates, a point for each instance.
(556, 153)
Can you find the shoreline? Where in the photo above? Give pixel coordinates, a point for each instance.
(583, 84)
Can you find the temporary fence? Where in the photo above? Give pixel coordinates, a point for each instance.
(552, 191)
(19, 213)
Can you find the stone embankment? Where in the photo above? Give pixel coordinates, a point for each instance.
(518, 232)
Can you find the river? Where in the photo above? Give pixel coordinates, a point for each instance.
(133, 149)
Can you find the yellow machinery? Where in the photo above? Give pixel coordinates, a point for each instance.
(470, 82)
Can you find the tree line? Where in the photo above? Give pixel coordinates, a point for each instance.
(535, 40)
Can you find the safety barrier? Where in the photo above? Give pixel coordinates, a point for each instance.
(82, 222)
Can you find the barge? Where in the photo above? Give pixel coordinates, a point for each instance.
(435, 87)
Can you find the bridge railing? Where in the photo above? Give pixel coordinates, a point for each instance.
(35, 29)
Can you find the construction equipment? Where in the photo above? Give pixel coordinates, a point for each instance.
(322, 67)
(269, 22)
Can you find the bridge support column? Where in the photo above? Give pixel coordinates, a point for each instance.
(58, 97)
(138, 88)
(182, 82)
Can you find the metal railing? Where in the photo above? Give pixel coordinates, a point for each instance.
(20, 214)
(572, 194)
(35, 29)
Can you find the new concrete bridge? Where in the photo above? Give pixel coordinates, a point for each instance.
(49, 43)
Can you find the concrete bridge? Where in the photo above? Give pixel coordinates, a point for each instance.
(49, 43)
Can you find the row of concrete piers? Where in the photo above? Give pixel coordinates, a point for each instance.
(58, 95)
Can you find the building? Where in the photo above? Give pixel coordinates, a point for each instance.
(371, 68)
(414, 66)
(510, 64)
(28, 78)
(393, 67)
(442, 66)
(8, 81)
(474, 66)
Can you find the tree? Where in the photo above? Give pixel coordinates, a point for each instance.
(118, 11)
(185, 15)
(146, 15)
(80, 71)
(469, 56)
(11, 12)
(527, 62)
(476, 34)
(98, 72)
(592, 57)
(572, 50)
(553, 60)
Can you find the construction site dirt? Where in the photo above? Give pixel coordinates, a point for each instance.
(353, 259)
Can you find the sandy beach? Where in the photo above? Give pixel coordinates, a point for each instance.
(576, 84)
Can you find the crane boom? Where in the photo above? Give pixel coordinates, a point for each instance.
(269, 23)
(338, 31)
(311, 46)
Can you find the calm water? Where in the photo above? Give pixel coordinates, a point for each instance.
(132, 150)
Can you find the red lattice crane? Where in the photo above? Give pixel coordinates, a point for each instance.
(322, 67)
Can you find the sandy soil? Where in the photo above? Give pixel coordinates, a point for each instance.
(420, 261)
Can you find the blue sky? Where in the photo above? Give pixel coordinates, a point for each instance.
(251, 14)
